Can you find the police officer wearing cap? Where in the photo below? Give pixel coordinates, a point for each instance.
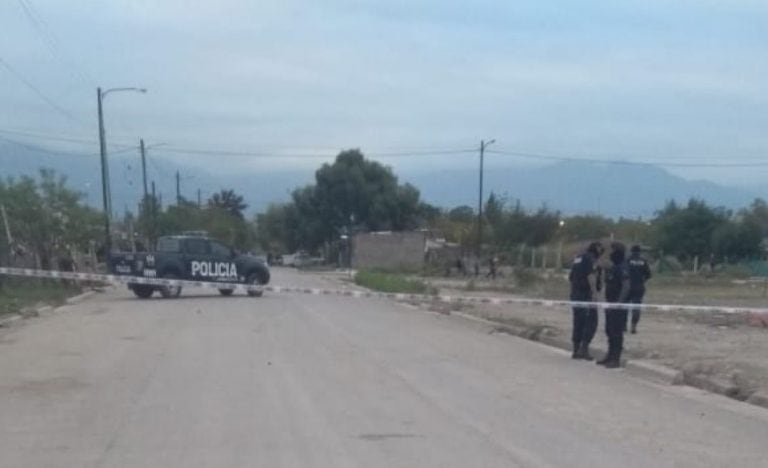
(585, 288)
(639, 273)
(617, 287)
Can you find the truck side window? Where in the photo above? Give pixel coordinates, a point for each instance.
(220, 250)
(168, 244)
(197, 246)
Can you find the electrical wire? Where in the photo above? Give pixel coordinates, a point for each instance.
(264, 154)
(40, 149)
(51, 41)
(661, 163)
(416, 153)
(39, 93)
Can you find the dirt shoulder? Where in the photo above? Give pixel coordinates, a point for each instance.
(729, 348)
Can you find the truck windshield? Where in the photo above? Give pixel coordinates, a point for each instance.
(168, 244)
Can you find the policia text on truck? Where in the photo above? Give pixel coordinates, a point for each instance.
(190, 257)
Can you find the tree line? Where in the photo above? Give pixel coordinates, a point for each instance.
(355, 194)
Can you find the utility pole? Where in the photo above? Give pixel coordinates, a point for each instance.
(178, 189)
(105, 186)
(144, 167)
(483, 145)
(104, 176)
(154, 215)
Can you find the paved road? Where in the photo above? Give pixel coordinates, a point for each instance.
(306, 381)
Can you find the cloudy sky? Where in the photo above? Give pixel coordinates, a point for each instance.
(643, 80)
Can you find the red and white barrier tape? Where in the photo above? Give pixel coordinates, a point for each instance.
(120, 279)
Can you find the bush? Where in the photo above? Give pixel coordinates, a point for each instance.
(386, 282)
(524, 277)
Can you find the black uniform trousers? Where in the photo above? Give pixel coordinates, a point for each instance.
(584, 325)
(615, 321)
(635, 297)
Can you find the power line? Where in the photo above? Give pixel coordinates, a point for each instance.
(43, 136)
(58, 152)
(39, 93)
(272, 154)
(547, 157)
(416, 153)
(51, 40)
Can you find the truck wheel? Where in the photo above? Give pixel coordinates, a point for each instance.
(226, 292)
(170, 292)
(254, 279)
(143, 291)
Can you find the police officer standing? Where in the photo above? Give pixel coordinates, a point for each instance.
(585, 288)
(639, 273)
(617, 287)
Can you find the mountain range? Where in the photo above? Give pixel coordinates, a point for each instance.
(614, 190)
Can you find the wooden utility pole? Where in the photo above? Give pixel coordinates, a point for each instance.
(144, 167)
(178, 189)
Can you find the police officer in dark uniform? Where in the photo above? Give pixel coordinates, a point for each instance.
(585, 288)
(639, 273)
(617, 287)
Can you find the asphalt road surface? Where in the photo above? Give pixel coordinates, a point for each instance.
(318, 381)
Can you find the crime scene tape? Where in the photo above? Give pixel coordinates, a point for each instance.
(125, 280)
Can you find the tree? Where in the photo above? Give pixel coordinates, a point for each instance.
(229, 201)
(737, 240)
(353, 193)
(687, 232)
(494, 210)
(462, 214)
(47, 217)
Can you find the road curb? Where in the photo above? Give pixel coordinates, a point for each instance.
(80, 297)
(7, 321)
(759, 398)
(653, 371)
(643, 369)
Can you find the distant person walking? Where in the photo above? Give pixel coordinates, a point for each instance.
(492, 268)
(585, 288)
(617, 287)
(639, 273)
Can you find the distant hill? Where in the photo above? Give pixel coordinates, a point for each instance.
(571, 187)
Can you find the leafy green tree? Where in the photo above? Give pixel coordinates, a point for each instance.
(494, 210)
(48, 218)
(229, 201)
(737, 240)
(462, 214)
(687, 231)
(586, 227)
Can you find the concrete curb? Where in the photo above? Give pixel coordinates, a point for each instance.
(759, 398)
(653, 371)
(80, 297)
(646, 370)
(7, 321)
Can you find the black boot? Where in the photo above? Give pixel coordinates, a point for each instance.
(614, 363)
(576, 348)
(584, 353)
(608, 357)
(614, 360)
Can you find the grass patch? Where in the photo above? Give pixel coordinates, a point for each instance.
(388, 282)
(18, 293)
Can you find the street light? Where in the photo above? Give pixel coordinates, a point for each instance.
(104, 166)
(483, 146)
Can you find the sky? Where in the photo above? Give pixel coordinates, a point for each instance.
(676, 82)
